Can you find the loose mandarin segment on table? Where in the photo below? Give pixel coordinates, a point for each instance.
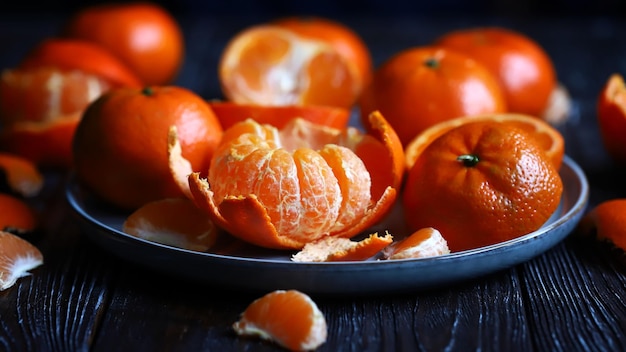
(17, 257)
(290, 318)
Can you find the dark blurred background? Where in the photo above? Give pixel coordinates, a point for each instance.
(361, 7)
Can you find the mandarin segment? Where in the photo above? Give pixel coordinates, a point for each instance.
(481, 183)
(421, 86)
(289, 318)
(546, 137)
(17, 258)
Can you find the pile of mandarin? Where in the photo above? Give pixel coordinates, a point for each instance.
(455, 149)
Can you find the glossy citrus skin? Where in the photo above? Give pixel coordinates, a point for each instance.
(481, 183)
(74, 54)
(143, 35)
(347, 42)
(546, 136)
(611, 117)
(422, 86)
(523, 68)
(230, 113)
(120, 145)
(271, 65)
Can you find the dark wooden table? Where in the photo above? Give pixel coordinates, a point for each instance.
(572, 298)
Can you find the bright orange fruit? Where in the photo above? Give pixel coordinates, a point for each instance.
(290, 318)
(481, 183)
(17, 258)
(272, 65)
(172, 221)
(422, 86)
(286, 188)
(145, 36)
(522, 66)
(423, 243)
(547, 137)
(120, 145)
(611, 117)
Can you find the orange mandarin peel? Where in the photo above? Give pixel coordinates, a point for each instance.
(285, 188)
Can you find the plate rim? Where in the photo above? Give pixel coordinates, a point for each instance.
(571, 214)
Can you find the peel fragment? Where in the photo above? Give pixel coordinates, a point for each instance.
(335, 249)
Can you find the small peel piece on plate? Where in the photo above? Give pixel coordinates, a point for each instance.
(423, 243)
(335, 249)
(172, 221)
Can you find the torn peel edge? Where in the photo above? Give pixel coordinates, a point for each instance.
(179, 167)
(334, 249)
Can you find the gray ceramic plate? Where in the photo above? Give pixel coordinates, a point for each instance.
(272, 270)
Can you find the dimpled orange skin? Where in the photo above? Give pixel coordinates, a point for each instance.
(120, 145)
(143, 35)
(525, 70)
(422, 86)
(513, 189)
